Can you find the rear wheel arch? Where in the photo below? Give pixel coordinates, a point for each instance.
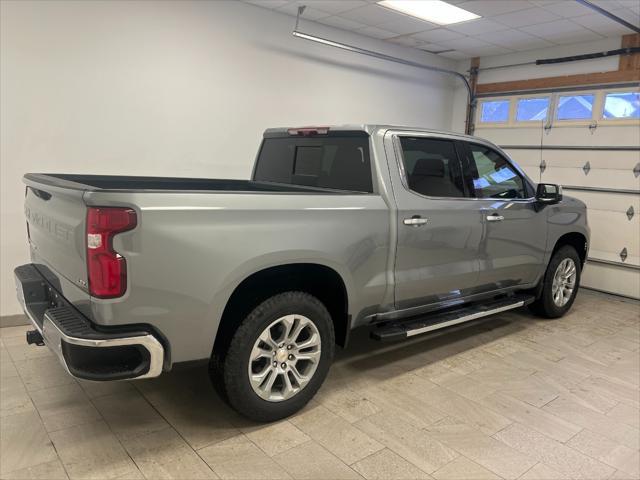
(321, 281)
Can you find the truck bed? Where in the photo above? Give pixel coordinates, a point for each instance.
(129, 183)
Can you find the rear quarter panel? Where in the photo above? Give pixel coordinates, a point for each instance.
(191, 250)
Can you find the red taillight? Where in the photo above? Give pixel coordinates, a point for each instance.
(107, 269)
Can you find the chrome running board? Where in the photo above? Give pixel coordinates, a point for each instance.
(416, 326)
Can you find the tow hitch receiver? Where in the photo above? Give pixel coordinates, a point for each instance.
(34, 337)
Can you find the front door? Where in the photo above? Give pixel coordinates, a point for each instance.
(438, 226)
(514, 226)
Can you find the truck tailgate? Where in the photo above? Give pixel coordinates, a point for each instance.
(56, 218)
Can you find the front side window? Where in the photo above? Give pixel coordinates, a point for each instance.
(432, 167)
(575, 107)
(493, 176)
(532, 109)
(495, 111)
(622, 105)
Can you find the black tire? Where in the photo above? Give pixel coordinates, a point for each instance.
(229, 370)
(544, 305)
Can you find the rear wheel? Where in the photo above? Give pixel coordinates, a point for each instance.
(278, 357)
(561, 282)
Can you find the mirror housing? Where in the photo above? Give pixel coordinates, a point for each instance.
(549, 193)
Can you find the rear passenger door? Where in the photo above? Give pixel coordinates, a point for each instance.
(438, 227)
(514, 226)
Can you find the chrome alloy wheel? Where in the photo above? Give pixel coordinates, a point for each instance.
(284, 358)
(564, 281)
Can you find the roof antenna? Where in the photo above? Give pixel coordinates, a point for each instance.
(300, 12)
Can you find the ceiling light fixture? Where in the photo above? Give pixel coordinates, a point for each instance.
(435, 11)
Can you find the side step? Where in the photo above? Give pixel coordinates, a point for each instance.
(416, 326)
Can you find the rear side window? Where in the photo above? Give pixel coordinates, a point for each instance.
(432, 167)
(493, 176)
(339, 163)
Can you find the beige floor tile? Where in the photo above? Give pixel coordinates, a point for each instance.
(10, 332)
(14, 397)
(388, 465)
(99, 389)
(45, 471)
(464, 469)
(165, 455)
(336, 435)
(601, 448)
(20, 350)
(350, 405)
(276, 438)
(621, 389)
(23, 442)
(553, 453)
(64, 406)
(570, 388)
(129, 414)
(487, 420)
(43, 372)
(91, 451)
(543, 472)
(7, 368)
(544, 422)
(628, 413)
(310, 461)
(492, 454)
(239, 458)
(595, 421)
(414, 410)
(408, 441)
(200, 417)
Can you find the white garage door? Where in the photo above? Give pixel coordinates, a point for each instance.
(589, 142)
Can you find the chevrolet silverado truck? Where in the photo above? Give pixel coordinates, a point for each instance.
(401, 230)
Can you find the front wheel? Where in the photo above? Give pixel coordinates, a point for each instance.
(277, 358)
(561, 282)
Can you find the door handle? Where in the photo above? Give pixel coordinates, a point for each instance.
(415, 221)
(494, 217)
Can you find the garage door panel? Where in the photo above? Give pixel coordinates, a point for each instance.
(598, 159)
(603, 135)
(611, 278)
(610, 202)
(626, 234)
(597, 178)
(525, 157)
(510, 136)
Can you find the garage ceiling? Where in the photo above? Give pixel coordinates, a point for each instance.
(505, 26)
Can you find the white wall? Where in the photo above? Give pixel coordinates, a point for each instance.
(536, 71)
(177, 89)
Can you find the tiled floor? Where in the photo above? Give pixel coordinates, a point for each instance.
(511, 397)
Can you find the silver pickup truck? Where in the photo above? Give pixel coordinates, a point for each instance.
(397, 229)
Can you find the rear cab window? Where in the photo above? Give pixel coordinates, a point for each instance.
(337, 160)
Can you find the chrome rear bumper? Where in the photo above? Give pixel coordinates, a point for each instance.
(84, 351)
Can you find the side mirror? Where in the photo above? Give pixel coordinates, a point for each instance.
(549, 193)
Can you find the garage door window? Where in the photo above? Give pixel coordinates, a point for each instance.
(493, 176)
(622, 105)
(532, 109)
(432, 167)
(575, 107)
(495, 111)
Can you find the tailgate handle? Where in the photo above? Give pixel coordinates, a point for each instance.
(41, 194)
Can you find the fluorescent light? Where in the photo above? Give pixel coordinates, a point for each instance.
(434, 11)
